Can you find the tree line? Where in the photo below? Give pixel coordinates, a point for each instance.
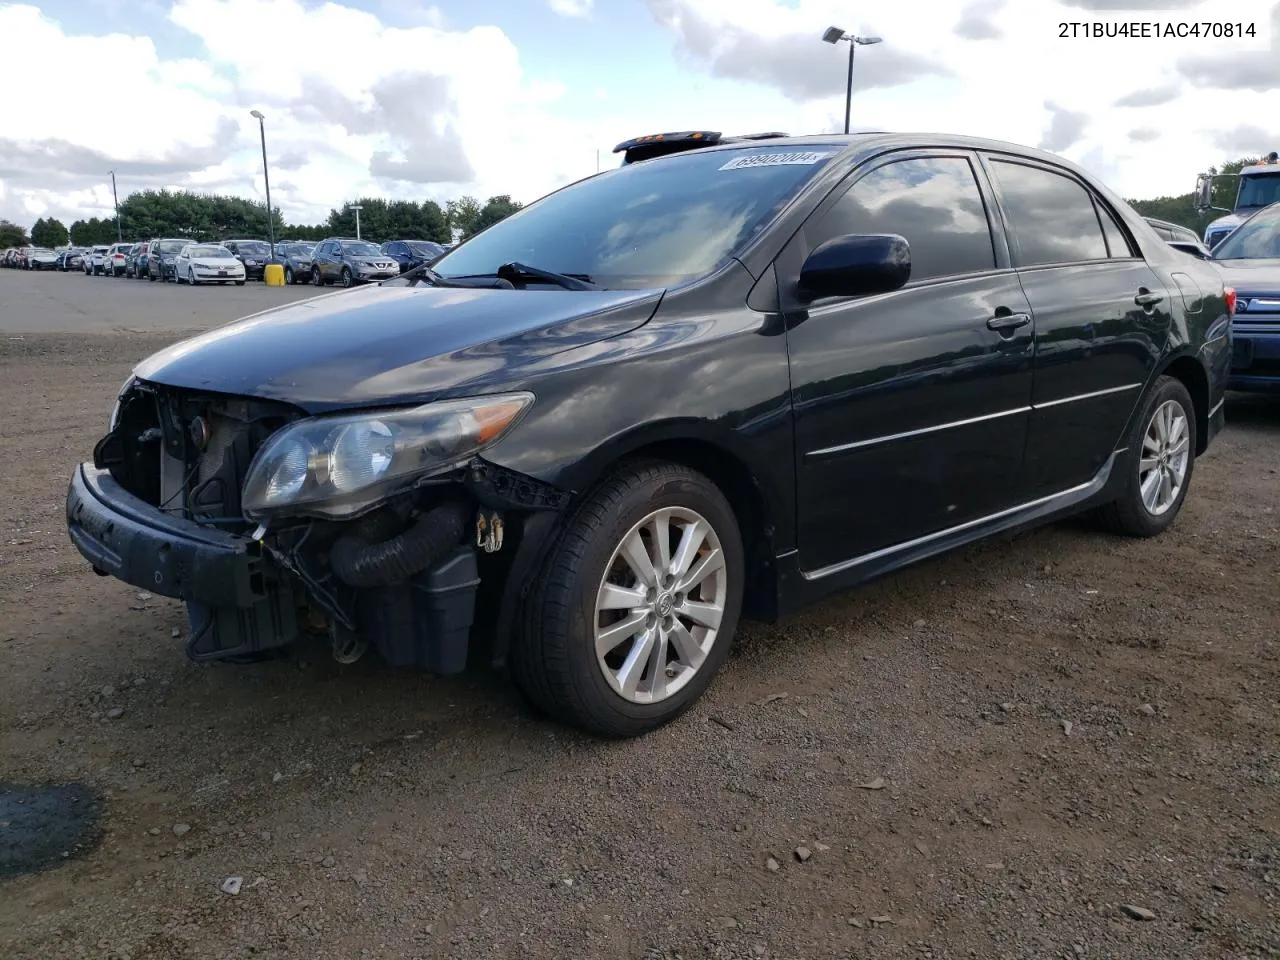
(207, 217)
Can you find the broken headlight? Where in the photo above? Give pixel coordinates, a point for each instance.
(340, 466)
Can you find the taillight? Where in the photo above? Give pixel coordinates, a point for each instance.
(1230, 294)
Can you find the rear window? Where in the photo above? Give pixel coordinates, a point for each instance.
(170, 246)
(209, 250)
(253, 248)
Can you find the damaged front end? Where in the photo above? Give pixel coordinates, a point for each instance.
(371, 529)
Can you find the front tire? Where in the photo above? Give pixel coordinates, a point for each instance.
(635, 607)
(347, 279)
(191, 277)
(288, 277)
(316, 280)
(1163, 447)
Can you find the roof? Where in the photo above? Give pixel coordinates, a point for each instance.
(868, 140)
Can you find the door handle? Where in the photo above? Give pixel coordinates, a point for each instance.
(1008, 321)
(1146, 299)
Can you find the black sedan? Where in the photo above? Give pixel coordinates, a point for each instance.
(725, 382)
(254, 254)
(413, 253)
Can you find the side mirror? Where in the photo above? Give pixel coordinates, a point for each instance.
(856, 265)
(1204, 192)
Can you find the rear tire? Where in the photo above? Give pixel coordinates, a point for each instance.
(1161, 459)
(555, 662)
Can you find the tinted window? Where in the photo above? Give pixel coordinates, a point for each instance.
(931, 201)
(360, 248)
(1259, 191)
(1051, 216)
(1256, 238)
(1117, 244)
(647, 224)
(253, 248)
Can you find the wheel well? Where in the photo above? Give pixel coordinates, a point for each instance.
(741, 488)
(1189, 371)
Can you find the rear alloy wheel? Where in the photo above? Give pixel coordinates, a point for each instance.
(636, 607)
(1162, 445)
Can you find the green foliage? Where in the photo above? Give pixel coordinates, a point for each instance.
(49, 233)
(382, 220)
(462, 214)
(12, 235)
(87, 233)
(162, 213)
(1182, 208)
(498, 208)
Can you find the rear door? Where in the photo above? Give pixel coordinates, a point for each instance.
(1102, 318)
(910, 407)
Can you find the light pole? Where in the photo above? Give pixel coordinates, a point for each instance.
(357, 208)
(266, 180)
(116, 200)
(834, 35)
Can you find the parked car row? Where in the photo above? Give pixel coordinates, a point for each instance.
(339, 260)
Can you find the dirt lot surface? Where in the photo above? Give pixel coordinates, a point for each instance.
(1018, 751)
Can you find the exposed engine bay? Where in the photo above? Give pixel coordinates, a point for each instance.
(402, 574)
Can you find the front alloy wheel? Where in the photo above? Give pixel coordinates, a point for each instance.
(636, 604)
(315, 277)
(347, 279)
(660, 604)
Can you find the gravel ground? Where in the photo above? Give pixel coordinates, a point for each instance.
(1060, 745)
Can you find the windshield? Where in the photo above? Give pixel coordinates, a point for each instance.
(253, 248)
(209, 250)
(1256, 239)
(423, 249)
(296, 250)
(170, 246)
(1260, 190)
(359, 248)
(647, 224)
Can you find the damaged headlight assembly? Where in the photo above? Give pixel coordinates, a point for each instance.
(339, 466)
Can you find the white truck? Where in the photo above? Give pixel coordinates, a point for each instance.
(1259, 186)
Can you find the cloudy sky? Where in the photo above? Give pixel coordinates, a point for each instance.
(405, 99)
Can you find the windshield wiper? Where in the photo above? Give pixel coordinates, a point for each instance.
(426, 273)
(515, 270)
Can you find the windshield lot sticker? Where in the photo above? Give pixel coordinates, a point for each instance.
(802, 157)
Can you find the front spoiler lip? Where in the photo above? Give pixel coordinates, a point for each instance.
(128, 538)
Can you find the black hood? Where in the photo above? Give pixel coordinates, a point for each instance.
(394, 344)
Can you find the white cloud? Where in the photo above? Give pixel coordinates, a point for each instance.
(572, 8)
(398, 102)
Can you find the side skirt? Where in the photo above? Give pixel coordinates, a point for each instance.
(797, 588)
